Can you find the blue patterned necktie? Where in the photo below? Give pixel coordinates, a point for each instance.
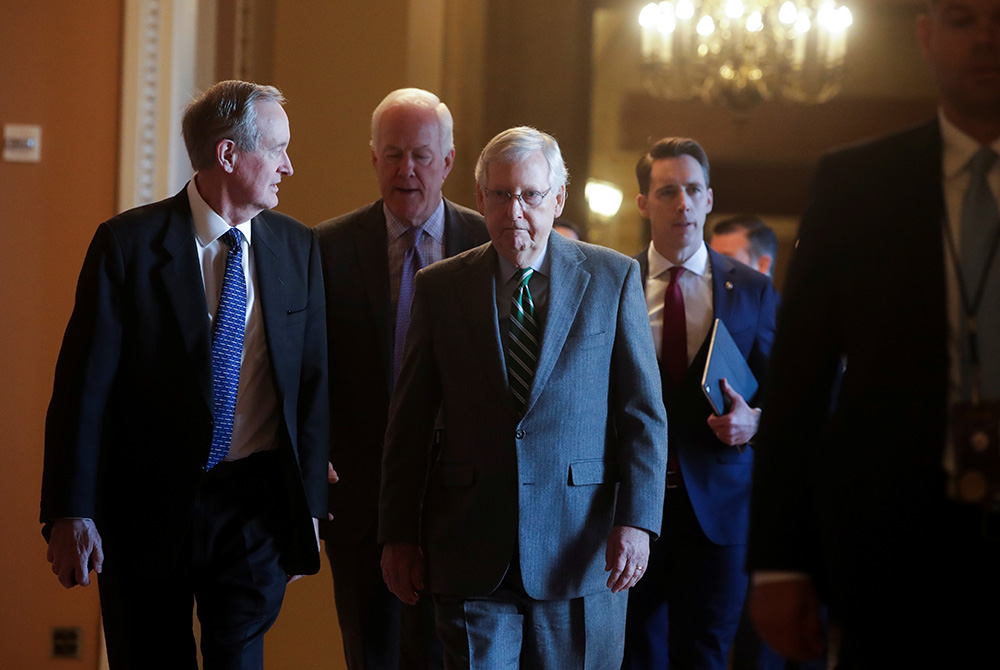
(227, 347)
(412, 262)
(523, 341)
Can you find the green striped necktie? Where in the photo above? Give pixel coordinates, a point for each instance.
(524, 341)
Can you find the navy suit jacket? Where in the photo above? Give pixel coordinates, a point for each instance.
(361, 324)
(867, 281)
(717, 476)
(129, 426)
(588, 453)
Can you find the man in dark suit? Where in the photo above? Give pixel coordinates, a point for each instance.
(685, 613)
(866, 509)
(364, 256)
(748, 239)
(186, 438)
(526, 449)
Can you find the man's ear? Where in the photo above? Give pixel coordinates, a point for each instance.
(764, 264)
(560, 201)
(225, 155)
(449, 162)
(480, 200)
(643, 202)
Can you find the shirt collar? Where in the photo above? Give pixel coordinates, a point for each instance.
(208, 225)
(958, 148)
(433, 226)
(541, 265)
(697, 263)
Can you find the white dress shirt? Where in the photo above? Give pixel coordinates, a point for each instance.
(255, 422)
(696, 287)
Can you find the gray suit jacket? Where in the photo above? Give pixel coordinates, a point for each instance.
(588, 453)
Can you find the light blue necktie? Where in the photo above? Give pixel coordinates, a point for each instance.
(412, 262)
(227, 347)
(980, 226)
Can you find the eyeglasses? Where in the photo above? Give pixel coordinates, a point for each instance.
(529, 199)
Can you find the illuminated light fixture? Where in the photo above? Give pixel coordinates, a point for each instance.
(604, 198)
(741, 52)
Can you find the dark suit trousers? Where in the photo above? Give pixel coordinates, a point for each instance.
(379, 631)
(929, 600)
(509, 630)
(684, 613)
(229, 565)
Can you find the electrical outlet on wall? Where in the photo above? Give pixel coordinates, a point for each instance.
(66, 641)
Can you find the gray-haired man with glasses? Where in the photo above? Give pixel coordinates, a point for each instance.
(526, 505)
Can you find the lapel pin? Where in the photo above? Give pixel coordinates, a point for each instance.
(729, 286)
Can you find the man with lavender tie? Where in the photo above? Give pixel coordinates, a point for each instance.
(185, 444)
(370, 257)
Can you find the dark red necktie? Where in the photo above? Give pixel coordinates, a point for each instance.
(673, 351)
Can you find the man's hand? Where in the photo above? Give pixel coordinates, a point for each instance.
(403, 570)
(74, 548)
(626, 557)
(737, 426)
(786, 614)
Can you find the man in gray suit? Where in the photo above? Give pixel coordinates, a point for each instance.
(523, 472)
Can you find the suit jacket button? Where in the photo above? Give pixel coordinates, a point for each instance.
(519, 434)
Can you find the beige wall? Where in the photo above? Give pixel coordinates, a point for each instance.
(59, 64)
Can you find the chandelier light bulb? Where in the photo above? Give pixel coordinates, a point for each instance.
(685, 9)
(755, 22)
(667, 23)
(649, 15)
(827, 16)
(803, 24)
(734, 9)
(706, 26)
(844, 17)
(788, 13)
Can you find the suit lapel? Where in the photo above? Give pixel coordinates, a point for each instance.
(567, 283)
(372, 247)
(455, 239)
(476, 284)
(186, 291)
(723, 287)
(270, 257)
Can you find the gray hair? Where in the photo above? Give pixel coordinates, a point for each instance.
(227, 110)
(516, 144)
(421, 99)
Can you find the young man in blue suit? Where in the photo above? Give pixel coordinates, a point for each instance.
(685, 613)
(185, 444)
(524, 464)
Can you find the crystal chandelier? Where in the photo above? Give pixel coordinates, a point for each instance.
(741, 52)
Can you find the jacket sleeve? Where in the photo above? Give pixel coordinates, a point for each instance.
(85, 371)
(637, 406)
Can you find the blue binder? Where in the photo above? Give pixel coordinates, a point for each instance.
(725, 360)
